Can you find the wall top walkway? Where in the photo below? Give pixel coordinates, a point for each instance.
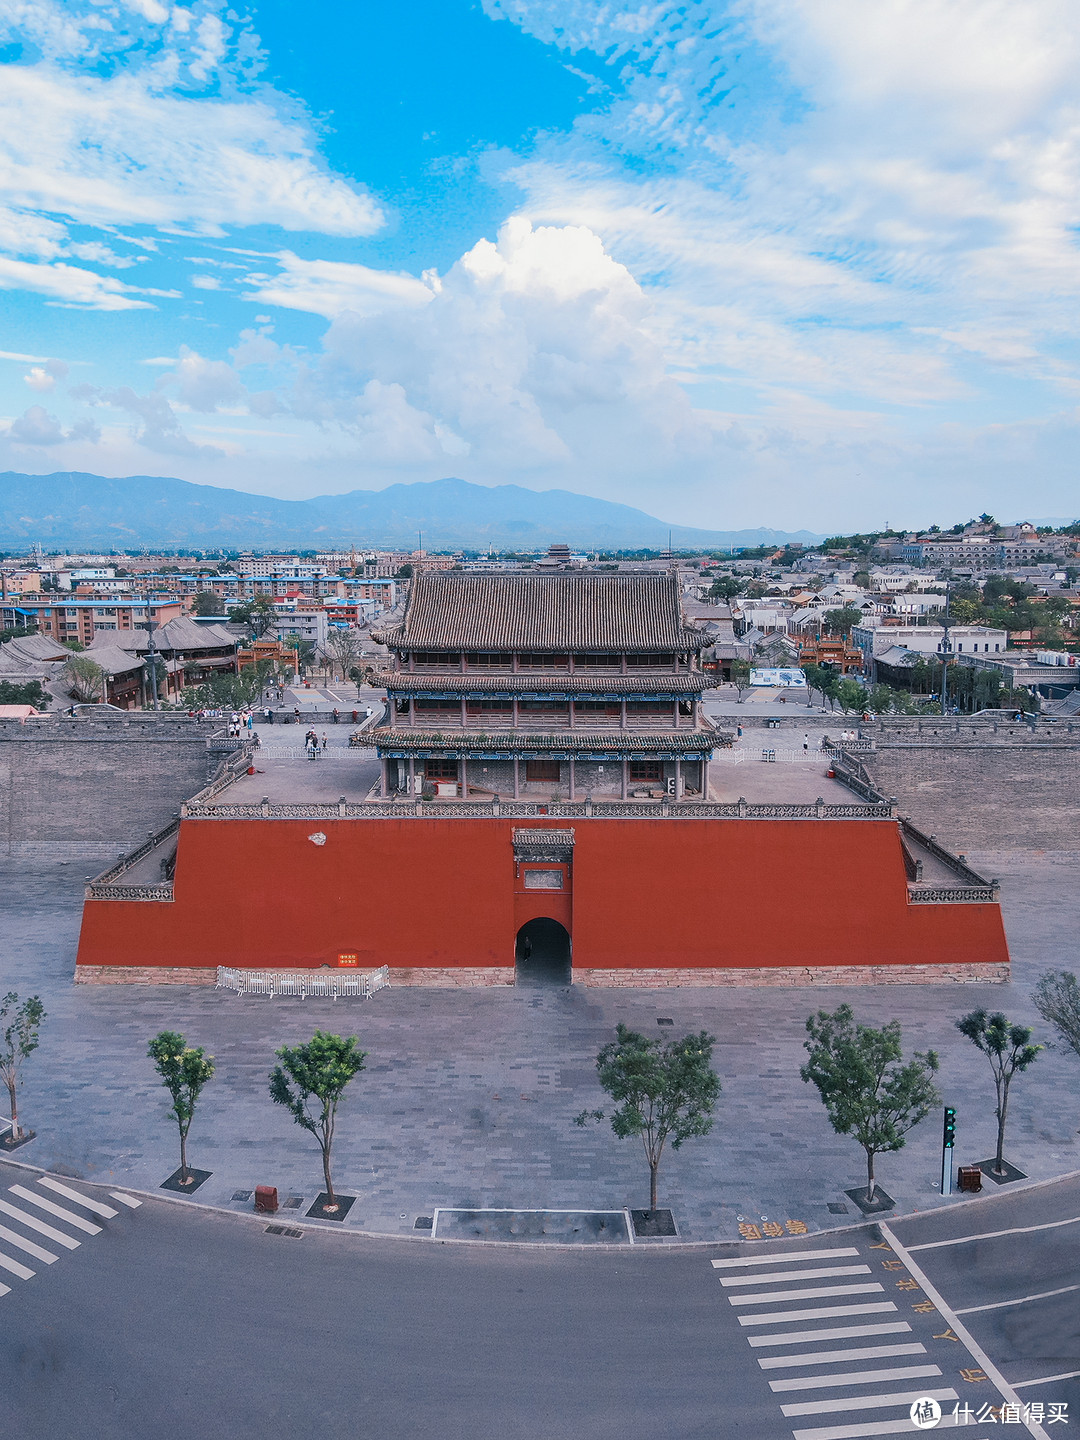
(517, 809)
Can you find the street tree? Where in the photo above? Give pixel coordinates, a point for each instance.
(18, 1041)
(661, 1091)
(740, 676)
(1057, 999)
(341, 650)
(850, 695)
(310, 1082)
(85, 679)
(206, 603)
(184, 1070)
(1009, 1049)
(724, 587)
(257, 614)
(867, 1090)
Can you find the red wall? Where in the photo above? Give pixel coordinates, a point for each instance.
(420, 893)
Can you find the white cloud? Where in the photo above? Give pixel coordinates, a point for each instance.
(71, 285)
(36, 426)
(333, 287)
(39, 380)
(202, 384)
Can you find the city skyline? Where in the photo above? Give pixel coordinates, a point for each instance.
(770, 264)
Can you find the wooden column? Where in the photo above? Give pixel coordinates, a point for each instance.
(412, 775)
(412, 714)
(573, 791)
(517, 777)
(384, 784)
(464, 713)
(676, 707)
(678, 778)
(625, 777)
(622, 713)
(515, 703)
(570, 711)
(463, 777)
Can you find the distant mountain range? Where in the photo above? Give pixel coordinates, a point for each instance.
(90, 512)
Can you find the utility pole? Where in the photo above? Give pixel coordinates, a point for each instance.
(151, 655)
(945, 653)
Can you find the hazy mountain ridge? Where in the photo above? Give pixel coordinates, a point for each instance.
(87, 511)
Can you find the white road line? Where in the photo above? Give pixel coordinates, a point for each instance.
(38, 1251)
(833, 1357)
(16, 1267)
(856, 1377)
(5, 1289)
(865, 1402)
(825, 1312)
(992, 1234)
(1046, 1380)
(128, 1200)
(855, 1432)
(94, 1206)
(821, 1274)
(774, 1259)
(57, 1210)
(844, 1332)
(1023, 1300)
(960, 1330)
(820, 1292)
(40, 1226)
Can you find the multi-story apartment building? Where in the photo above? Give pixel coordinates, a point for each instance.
(81, 620)
(574, 683)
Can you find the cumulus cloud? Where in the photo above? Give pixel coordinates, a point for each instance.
(155, 423)
(201, 384)
(36, 426)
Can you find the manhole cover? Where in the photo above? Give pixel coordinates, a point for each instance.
(423, 1222)
(293, 1202)
(241, 1195)
(835, 1208)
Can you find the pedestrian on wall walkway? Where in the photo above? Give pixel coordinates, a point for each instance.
(324, 739)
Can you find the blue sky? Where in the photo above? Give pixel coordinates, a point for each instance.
(787, 262)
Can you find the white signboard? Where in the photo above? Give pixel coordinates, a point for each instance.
(778, 679)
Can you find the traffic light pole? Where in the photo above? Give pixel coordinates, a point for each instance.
(948, 1140)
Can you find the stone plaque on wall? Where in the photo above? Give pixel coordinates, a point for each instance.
(543, 879)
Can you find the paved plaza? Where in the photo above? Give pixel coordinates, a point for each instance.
(469, 1095)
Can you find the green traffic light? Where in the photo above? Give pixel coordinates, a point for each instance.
(950, 1126)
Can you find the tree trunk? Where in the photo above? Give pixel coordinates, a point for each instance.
(16, 1133)
(183, 1158)
(869, 1176)
(1003, 1106)
(654, 1166)
(331, 1199)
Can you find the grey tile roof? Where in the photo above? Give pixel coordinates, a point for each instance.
(581, 610)
(581, 742)
(559, 683)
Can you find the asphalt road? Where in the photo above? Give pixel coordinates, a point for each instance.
(163, 1317)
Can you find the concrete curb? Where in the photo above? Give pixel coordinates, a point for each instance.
(676, 1247)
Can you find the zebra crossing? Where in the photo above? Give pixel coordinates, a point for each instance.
(867, 1371)
(47, 1213)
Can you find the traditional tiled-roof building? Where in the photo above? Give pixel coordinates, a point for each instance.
(567, 684)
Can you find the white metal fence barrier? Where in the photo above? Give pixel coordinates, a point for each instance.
(302, 983)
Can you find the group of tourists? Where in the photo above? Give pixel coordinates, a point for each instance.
(312, 745)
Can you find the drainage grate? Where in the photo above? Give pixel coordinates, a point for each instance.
(241, 1195)
(293, 1202)
(423, 1222)
(665, 1021)
(835, 1208)
(288, 1230)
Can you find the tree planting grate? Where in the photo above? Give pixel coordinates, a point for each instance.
(343, 1204)
(835, 1208)
(288, 1230)
(241, 1194)
(1009, 1172)
(423, 1222)
(665, 1020)
(185, 1185)
(879, 1204)
(653, 1224)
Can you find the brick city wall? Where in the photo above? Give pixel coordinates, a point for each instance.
(987, 793)
(103, 783)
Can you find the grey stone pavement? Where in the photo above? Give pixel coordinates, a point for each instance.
(469, 1095)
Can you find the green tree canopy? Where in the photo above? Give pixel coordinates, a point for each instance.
(661, 1091)
(257, 614)
(1057, 999)
(18, 1041)
(310, 1082)
(184, 1071)
(1009, 1050)
(840, 622)
(206, 603)
(867, 1090)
